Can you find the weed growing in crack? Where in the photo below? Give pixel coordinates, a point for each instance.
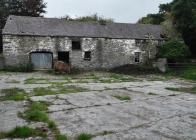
(37, 111)
(41, 91)
(123, 98)
(183, 89)
(151, 93)
(35, 80)
(13, 94)
(22, 132)
(61, 137)
(12, 82)
(84, 136)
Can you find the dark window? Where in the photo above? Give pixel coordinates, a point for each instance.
(87, 56)
(137, 42)
(76, 45)
(63, 56)
(137, 57)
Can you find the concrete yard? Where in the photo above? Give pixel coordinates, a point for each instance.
(151, 112)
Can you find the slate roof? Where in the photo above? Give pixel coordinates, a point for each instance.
(38, 26)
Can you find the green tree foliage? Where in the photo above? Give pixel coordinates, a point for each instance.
(169, 29)
(181, 20)
(90, 18)
(165, 8)
(33, 8)
(184, 19)
(152, 19)
(173, 50)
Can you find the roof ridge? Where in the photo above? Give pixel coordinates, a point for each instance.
(40, 26)
(87, 22)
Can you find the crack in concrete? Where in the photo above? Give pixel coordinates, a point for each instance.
(96, 105)
(148, 125)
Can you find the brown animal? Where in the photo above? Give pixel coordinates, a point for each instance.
(61, 66)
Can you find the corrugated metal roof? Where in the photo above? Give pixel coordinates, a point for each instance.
(38, 26)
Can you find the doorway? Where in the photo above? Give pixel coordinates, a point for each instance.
(41, 60)
(63, 56)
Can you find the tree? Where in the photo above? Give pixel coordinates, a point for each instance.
(165, 8)
(152, 19)
(184, 19)
(173, 50)
(169, 30)
(90, 18)
(33, 8)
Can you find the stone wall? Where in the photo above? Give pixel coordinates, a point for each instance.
(17, 49)
(118, 52)
(1, 62)
(105, 53)
(77, 56)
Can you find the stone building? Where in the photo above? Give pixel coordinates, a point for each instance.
(42, 41)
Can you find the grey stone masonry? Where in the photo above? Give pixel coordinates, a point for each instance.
(105, 53)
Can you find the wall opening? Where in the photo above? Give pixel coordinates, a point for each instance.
(137, 57)
(63, 56)
(87, 55)
(76, 45)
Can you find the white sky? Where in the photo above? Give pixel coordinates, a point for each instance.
(128, 11)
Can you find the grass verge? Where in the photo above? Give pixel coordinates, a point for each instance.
(188, 73)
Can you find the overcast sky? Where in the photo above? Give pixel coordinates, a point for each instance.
(128, 11)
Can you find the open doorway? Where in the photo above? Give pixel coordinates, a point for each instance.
(63, 56)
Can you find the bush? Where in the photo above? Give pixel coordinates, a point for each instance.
(173, 50)
(28, 67)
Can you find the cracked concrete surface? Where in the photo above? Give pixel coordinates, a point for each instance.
(167, 115)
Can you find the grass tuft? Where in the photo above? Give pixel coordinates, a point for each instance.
(123, 98)
(61, 137)
(22, 132)
(84, 136)
(51, 125)
(13, 82)
(151, 93)
(35, 80)
(13, 94)
(183, 89)
(36, 112)
(41, 91)
(57, 89)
